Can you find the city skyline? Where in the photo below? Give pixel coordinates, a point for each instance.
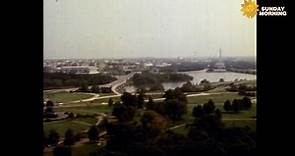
(110, 29)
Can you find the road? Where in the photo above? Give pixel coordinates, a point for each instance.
(120, 81)
(69, 104)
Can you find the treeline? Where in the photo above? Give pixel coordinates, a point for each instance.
(185, 66)
(240, 64)
(237, 105)
(173, 107)
(204, 85)
(243, 90)
(60, 80)
(153, 81)
(94, 89)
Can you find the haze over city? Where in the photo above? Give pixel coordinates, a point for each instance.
(146, 28)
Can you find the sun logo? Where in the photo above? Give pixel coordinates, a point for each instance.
(249, 8)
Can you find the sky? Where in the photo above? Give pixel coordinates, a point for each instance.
(146, 28)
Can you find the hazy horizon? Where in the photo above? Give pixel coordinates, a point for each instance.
(93, 29)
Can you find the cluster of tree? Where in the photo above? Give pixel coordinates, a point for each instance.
(48, 111)
(94, 89)
(241, 87)
(53, 138)
(174, 106)
(150, 134)
(207, 117)
(70, 138)
(249, 93)
(126, 135)
(125, 110)
(204, 85)
(237, 105)
(153, 81)
(151, 137)
(185, 66)
(241, 64)
(59, 80)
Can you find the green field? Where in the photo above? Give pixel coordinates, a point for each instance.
(228, 123)
(217, 98)
(106, 94)
(65, 96)
(83, 150)
(250, 123)
(86, 110)
(77, 125)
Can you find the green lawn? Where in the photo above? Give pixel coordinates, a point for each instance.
(87, 110)
(66, 96)
(83, 150)
(62, 126)
(251, 124)
(217, 98)
(77, 125)
(181, 130)
(106, 94)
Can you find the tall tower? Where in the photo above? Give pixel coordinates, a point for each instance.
(219, 54)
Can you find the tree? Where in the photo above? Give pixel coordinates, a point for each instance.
(45, 140)
(150, 104)
(227, 105)
(187, 87)
(236, 105)
(174, 108)
(209, 107)
(204, 81)
(198, 112)
(218, 115)
(111, 102)
(246, 102)
(53, 137)
(153, 123)
(62, 151)
(123, 112)
(128, 99)
(83, 88)
(71, 115)
(49, 103)
(95, 89)
(175, 103)
(93, 134)
(140, 100)
(69, 137)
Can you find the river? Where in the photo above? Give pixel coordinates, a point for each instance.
(200, 75)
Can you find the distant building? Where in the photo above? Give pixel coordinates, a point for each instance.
(75, 69)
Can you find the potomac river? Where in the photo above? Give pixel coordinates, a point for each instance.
(200, 75)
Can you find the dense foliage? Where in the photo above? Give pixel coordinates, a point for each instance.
(185, 66)
(59, 80)
(153, 81)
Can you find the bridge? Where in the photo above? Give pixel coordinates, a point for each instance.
(121, 82)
